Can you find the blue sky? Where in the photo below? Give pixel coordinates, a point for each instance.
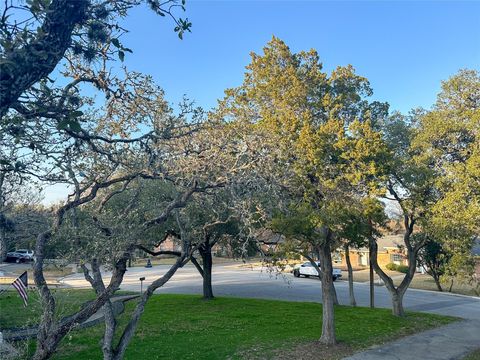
(404, 48)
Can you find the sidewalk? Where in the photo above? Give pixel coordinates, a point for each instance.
(453, 341)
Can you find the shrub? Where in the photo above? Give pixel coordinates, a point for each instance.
(391, 266)
(402, 268)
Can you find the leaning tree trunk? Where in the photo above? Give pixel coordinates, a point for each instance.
(436, 278)
(350, 276)
(328, 321)
(335, 297)
(129, 330)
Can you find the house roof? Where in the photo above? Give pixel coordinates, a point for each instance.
(268, 237)
(390, 242)
(387, 242)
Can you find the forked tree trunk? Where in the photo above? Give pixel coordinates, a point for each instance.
(129, 330)
(350, 276)
(398, 292)
(50, 332)
(328, 321)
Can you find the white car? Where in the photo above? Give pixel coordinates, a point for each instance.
(21, 255)
(307, 269)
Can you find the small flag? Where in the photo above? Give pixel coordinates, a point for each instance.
(21, 285)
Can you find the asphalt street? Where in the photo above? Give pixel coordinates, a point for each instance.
(232, 280)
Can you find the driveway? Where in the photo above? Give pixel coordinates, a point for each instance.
(231, 280)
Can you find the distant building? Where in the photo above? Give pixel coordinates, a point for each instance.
(476, 254)
(391, 249)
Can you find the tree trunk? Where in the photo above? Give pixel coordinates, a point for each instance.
(109, 317)
(328, 321)
(451, 285)
(350, 276)
(3, 243)
(335, 297)
(109, 333)
(50, 333)
(395, 292)
(397, 305)
(206, 254)
(436, 278)
(129, 330)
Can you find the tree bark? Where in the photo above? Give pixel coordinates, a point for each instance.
(334, 294)
(3, 243)
(3, 222)
(328, 321)
(350, 276)
(436, 278)
(206, 254)
(24, 66)
(109, 317)
(397, 304)
(451, 285)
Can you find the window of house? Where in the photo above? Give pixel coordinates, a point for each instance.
(397, 257)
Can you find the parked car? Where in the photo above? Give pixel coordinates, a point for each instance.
(20, 255)
(307, 269)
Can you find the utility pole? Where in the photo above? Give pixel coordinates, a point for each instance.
(372, 289)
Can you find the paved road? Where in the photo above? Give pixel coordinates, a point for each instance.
(230, 280)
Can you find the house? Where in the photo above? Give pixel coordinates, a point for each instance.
(391, 249)
(476, 254)
(169, 244)
(268, 239)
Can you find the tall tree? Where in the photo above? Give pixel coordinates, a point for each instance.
(434, 171)
(210, 220)
(324, 136)
(448, 141)
(133, 214)
(434, 259)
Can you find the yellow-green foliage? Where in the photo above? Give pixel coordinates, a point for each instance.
(321, 124)
(449, 142)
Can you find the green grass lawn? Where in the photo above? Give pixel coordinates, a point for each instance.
(14, 314)
(473, 356)
(187, 327)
